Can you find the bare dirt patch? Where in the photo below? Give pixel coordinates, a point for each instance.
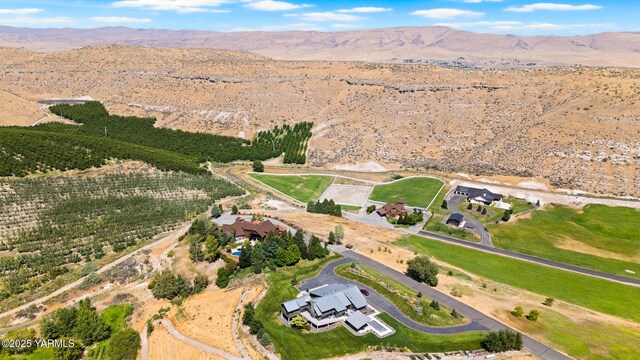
(164, 346)
(574, 245)
(347, 194)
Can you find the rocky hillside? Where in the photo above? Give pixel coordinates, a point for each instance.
(578, 127)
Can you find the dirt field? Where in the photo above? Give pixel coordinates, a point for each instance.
(347, 194)
(163, 346)
(207, 317)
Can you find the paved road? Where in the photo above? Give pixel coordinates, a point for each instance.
(478, 227)
(204, 347)
(479, 321)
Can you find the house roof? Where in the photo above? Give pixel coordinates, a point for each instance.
(387, 208)
(456, 217)
(480, 194)
(242, 227)
(336, 296)
(357, 320)
(296, 304)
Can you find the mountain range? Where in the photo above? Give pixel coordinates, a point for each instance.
(432, 45)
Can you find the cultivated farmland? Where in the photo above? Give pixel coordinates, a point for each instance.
(51, 224)
(417, 191)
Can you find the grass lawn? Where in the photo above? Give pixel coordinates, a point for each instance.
(436, 224)
(397, 293)
(350, 208)
(294, 344)
(302, 188)
(612, 229)
(414, 191)
(41, 353)
(600, 295)
(491, 216)
(583, 341)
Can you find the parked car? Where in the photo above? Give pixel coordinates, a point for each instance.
(364, 292)
(349, 246)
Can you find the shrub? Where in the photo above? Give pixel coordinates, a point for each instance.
(298, 322)
(435, 305)
(517, 312)
(124, 345)
(470, 206)
(455, 314)
(444, 205)
(258, 166)
(506, 216)
(533, 315)
(234, 210)
(419, 294)
(371, 208)
(548, 301)
(166, 285)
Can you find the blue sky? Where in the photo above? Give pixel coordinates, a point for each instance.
(569, 17)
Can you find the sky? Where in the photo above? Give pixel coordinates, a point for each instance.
(570, 17)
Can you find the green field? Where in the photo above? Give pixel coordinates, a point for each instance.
(398, 296)
(116, 317)
(600, 295)
(583, 341)
(418, 191)
(602, 228)
(303, 188)
(293, 344)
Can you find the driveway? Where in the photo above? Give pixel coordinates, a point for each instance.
(377, 220)
(327, 276)
(477, 226)
(479, 321)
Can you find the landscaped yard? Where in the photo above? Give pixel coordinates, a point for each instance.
(593, 293)
(397, 293)
(303, 188)
(598, 237)
(418, 191)
(294, 344)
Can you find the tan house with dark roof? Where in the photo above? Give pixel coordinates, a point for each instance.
(253, 230)
(392, 210)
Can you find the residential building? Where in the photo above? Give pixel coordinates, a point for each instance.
(325, 305)
(392, 210)
(476, 195)
(252, 230)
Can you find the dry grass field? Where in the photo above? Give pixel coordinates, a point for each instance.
(575, 127)
(163, 346)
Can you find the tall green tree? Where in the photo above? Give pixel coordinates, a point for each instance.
(422, 269)
(90, 327)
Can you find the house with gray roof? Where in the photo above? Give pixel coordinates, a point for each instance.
(472, 194)
(325, 305)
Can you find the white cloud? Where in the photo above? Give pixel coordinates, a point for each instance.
(345, 26)
(365, 9)
(22, 11)
(552, 6)
(271, 5)
(182, 6)
(325, 16)
(446, 13)
(120, 19)
(35, 22)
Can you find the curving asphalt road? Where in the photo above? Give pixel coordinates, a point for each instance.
(478, 227)
(479, 321)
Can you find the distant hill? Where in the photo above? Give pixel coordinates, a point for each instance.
(404, 44)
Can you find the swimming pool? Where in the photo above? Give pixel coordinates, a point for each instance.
(236, 253)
